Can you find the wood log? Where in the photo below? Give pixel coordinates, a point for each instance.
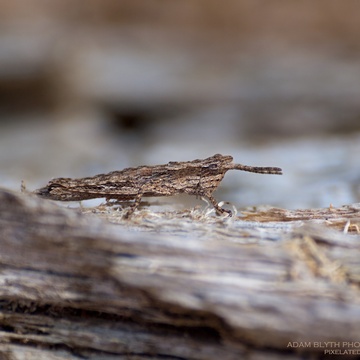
(272, 283)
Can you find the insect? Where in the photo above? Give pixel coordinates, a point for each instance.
(197, 177)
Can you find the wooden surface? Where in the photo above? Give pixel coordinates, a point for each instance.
(175, 285)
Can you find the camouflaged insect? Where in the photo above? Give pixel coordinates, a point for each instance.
(197, 177)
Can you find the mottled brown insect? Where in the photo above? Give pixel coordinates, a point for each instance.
(197, 177)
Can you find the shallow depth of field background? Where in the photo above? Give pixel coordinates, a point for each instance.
(95, 86)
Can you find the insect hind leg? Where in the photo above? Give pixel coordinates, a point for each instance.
(134, 205)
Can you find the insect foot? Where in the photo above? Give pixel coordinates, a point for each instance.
(229, 212)
(200, 177)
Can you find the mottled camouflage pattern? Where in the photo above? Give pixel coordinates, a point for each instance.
(197, 177)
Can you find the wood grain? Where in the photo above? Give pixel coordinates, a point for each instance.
(75, 286)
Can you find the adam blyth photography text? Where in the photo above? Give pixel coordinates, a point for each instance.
(329, 347)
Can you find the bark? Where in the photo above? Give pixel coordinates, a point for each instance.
(180, 285)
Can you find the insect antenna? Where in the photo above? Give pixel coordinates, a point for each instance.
(258, 169)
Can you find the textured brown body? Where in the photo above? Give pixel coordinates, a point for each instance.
(197, 177)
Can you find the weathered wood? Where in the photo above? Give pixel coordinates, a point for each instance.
(73, 285)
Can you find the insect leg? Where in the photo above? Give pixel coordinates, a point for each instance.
(134, 205)
(219, 210)
(207, 193)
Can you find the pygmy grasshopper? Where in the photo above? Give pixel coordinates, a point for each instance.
(197, 177)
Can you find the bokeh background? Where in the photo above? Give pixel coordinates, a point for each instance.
(95, 86)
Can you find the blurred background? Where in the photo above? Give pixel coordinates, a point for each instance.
(95, 86)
